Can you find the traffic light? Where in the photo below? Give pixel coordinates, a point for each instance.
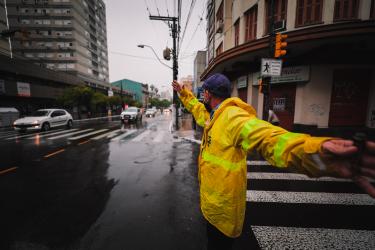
(167, 54)
(280, 45)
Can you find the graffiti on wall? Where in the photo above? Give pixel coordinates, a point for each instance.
(317, 109)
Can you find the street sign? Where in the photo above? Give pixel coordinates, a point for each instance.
(271, 67)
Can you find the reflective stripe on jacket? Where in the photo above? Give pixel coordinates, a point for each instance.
(233, 132)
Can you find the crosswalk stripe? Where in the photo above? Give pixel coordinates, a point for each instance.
(87, 135)
(110, 133)
(6, 136)
(57, 133)
(141, 136)
(270, 237)
(159, 137)
(69, 134)
(258, 163)
(291, 176)
(9, 133)
(33, 134)
(127, 133)
(309, 197)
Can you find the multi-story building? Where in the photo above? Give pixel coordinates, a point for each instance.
(328, 76)
(199, 66)
(63, 35)
(4, 41)
(138, 89)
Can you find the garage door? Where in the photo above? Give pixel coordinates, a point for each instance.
(349, 97)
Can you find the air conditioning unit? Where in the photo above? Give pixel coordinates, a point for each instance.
(220, 26)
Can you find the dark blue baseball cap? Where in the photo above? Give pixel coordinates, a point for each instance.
(218, 84)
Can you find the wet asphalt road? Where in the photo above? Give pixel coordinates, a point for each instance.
(137, 190)
(105, 186)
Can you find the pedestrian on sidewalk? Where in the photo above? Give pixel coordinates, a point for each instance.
(272, 117)
(231, 131)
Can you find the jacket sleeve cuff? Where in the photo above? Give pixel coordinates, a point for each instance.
(184, 93)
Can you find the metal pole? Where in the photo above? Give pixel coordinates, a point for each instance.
(267, 80)
(175, 68)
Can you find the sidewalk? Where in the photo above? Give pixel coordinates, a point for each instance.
(186, 128)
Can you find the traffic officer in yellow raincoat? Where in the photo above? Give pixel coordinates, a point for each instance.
(231, 131)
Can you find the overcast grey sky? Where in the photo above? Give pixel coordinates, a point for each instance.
(128, 25)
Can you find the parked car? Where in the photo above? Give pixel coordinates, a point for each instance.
(131, 114)
(43, 120)
(150, 112)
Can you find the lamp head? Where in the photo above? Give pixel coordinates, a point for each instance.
(141, 46)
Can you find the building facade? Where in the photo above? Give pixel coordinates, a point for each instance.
(199, 67)
(63, 35)
(4, 41)
(328, 76)
(138, 89)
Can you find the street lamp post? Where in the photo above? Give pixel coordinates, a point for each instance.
(174, 68)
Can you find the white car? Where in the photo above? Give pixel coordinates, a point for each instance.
(43, 120)
(131, 114)
(150, 112)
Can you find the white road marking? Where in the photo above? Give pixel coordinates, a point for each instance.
(127, 133)
(108, 135)
(192, 140)
(69, 134)
(33, 134)
(87, 135)
(309, 197)
(313, 238)
(258, 163)
(290, 176)
(57, 133)
(159, 137)
(141, 136)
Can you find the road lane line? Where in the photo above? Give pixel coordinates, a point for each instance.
(33, 134)
(310, 198)
(87, 135)
(192, 140)
(290, 176)
(69, 134)
(159, 137)
(108, 135)
(127, 133)
(84, 142)
(57, 133)
(258, 163)
(141, 136)
(54, 153)
(270, 237)
(8, 170)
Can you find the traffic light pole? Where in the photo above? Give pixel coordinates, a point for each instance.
(174, 29)
(267, 80)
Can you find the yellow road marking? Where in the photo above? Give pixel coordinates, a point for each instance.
(83, 142)
(54, 153)
(8, 170)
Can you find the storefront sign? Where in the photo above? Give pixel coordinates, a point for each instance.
(110, 92)
(23, 89)
(2, 87)
(242, 82)
(293, 74)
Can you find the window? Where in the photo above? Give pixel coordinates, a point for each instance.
(251, 23)
(372, 11)
(309, 12)
(237, 32)
(280, 12)
(219, 49)
(345, 10)
(220, 13)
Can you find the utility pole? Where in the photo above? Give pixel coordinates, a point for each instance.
(267, 80)
(175, 29)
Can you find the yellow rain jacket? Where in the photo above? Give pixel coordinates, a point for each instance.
(233, 132)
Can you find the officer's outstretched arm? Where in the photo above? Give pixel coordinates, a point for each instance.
(283, 149)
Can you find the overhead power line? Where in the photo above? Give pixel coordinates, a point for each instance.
(195, 31)
(187, 22)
